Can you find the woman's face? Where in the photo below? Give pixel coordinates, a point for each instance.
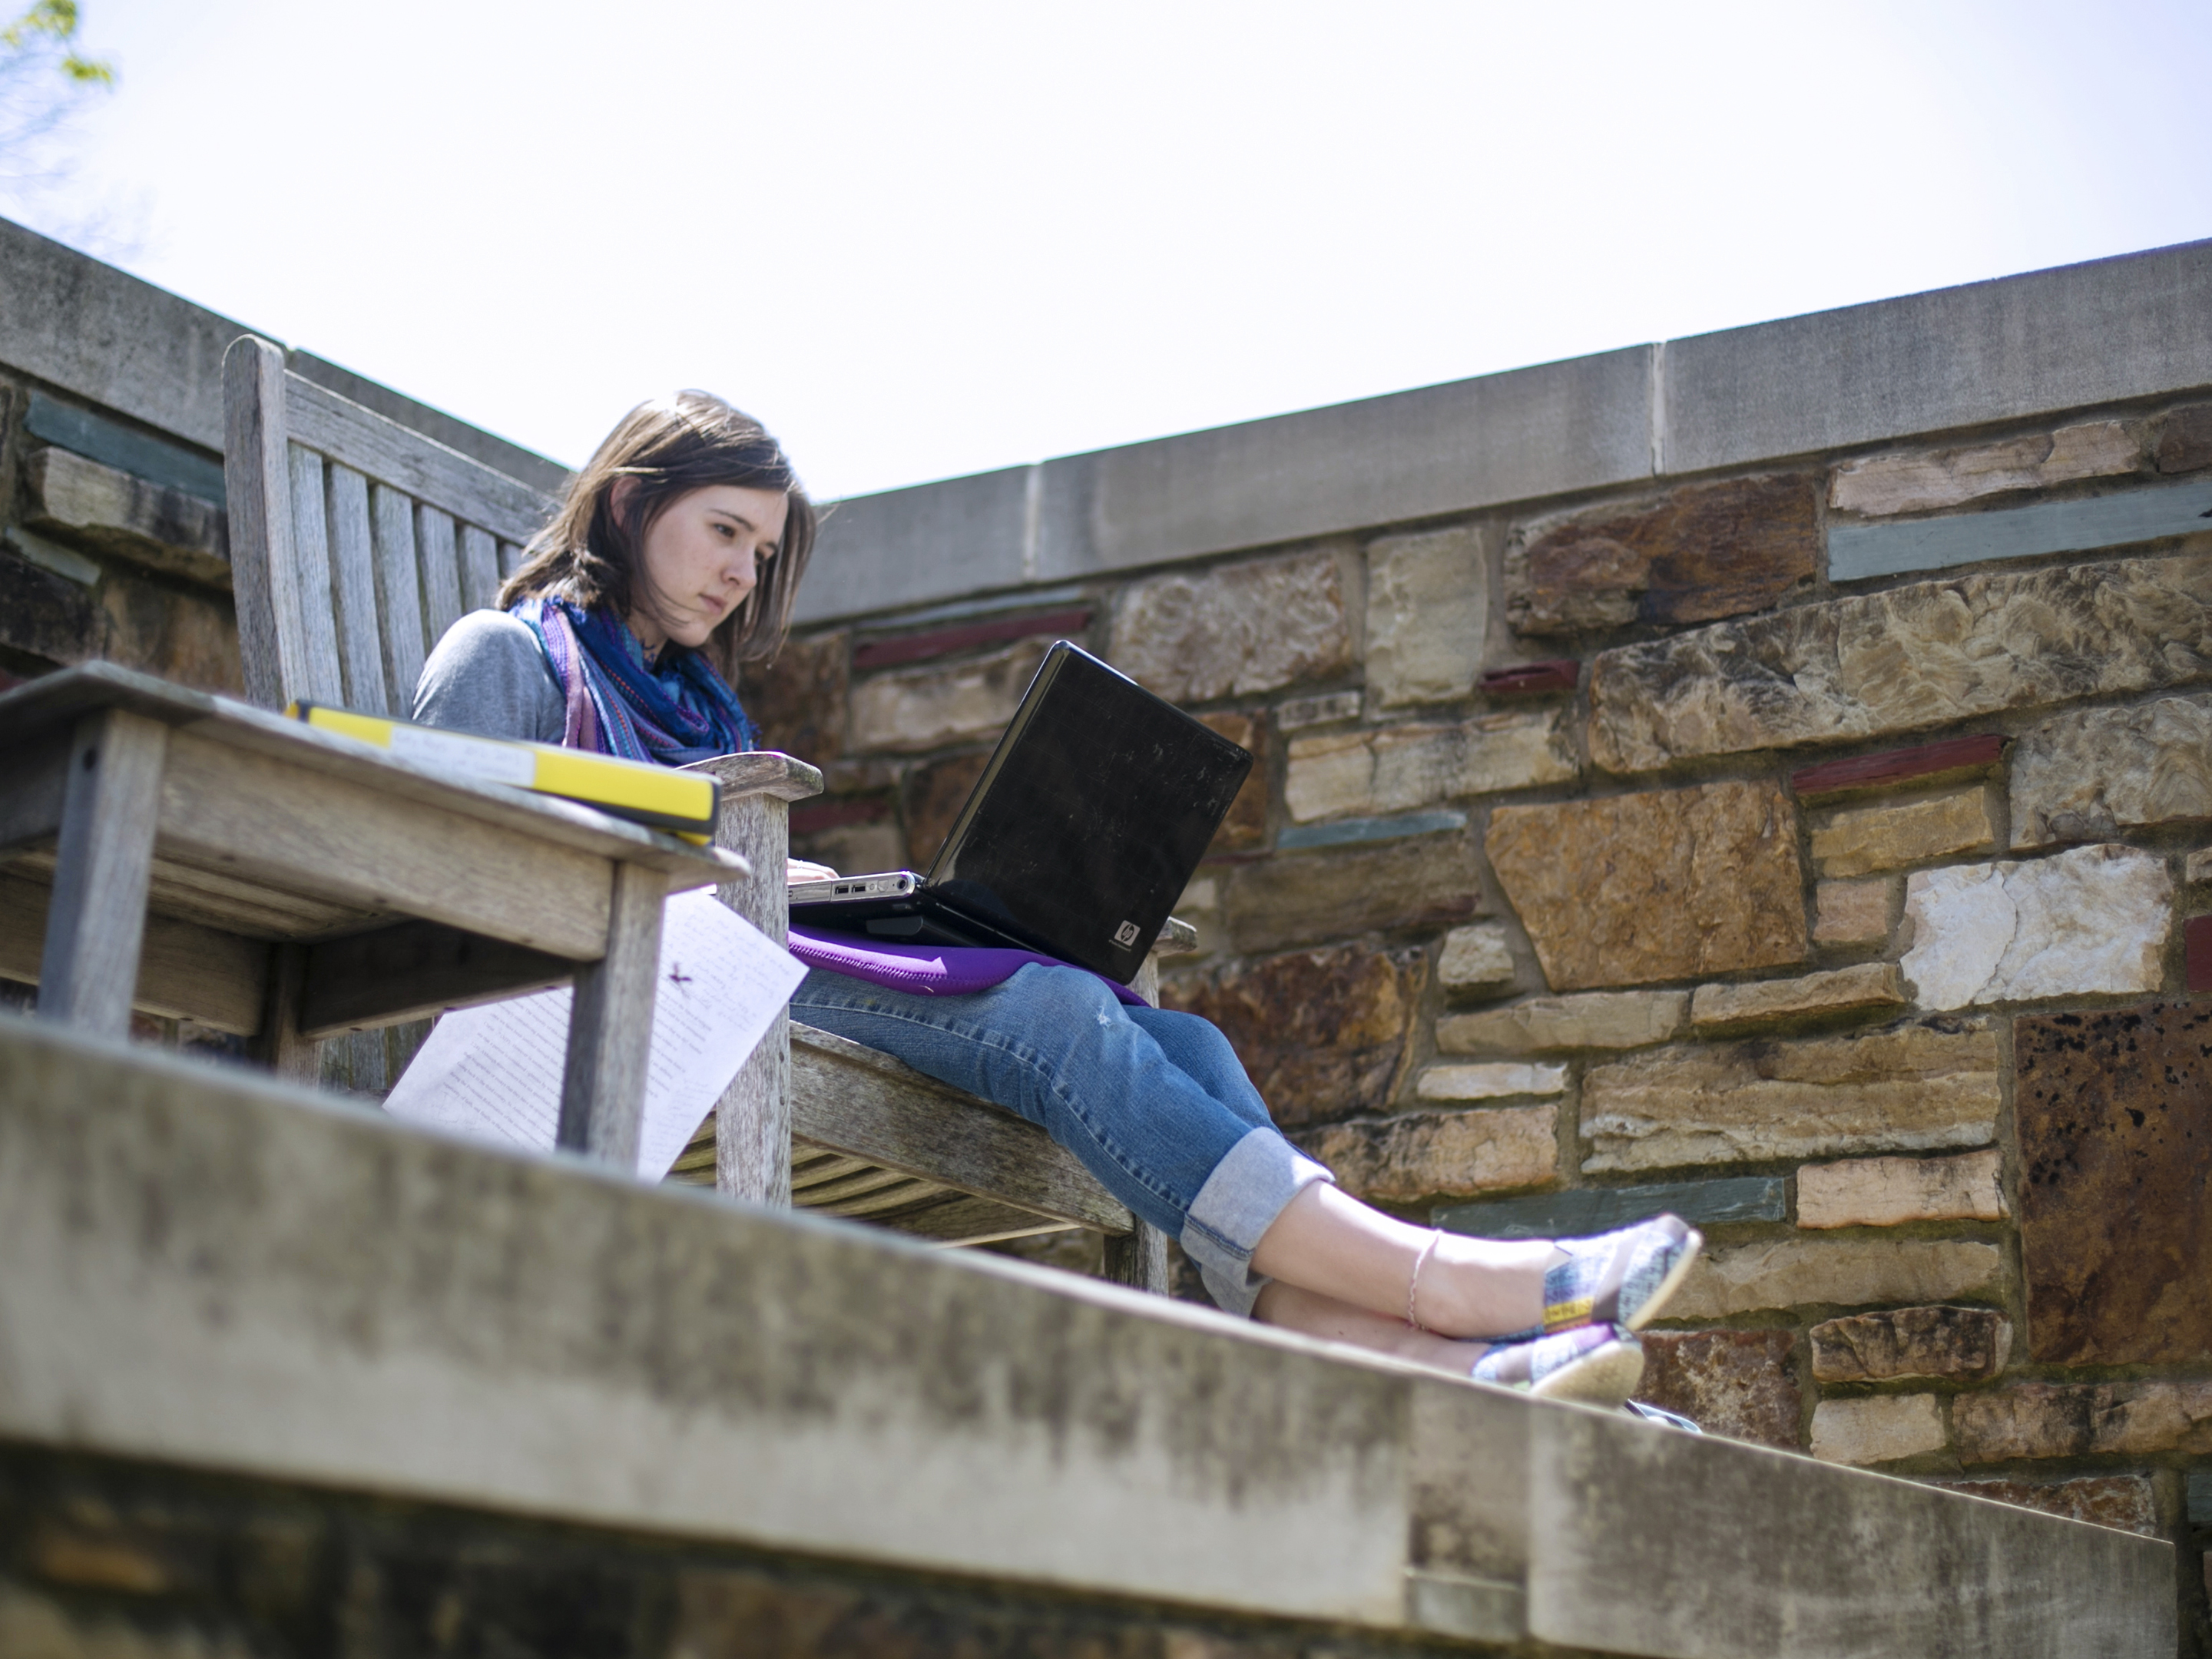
(699, 559)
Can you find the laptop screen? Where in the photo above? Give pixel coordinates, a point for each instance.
(1092, 815)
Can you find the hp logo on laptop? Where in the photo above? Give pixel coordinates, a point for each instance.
(1126, 934)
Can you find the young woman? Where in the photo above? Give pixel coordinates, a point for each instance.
(676, 556)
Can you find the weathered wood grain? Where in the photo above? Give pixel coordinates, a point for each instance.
(359, 842)
(256, 484)
(186, 971)
(479, 562)
(412, 970)
(398, 594)
(250, 909)
(955, 1220)
(278, 1045)
(762, 772)
(1139, 1258)
(431, 473)
(353, 592)
(311, 555)
(356, 1061)
(254, 910)
(810, 1165)
(877, 1194)
(611, 1025)
(437, 549)
(853, 1100)
(753, 1119)
(1145, 982)
(97, 916)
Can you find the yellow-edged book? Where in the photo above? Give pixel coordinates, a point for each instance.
(660, 796)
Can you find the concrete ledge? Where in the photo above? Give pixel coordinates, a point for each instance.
(206, 1269)
(1509, 437)
(2072, 337)
(2107, 332)
(1443, 449)
(909, 546)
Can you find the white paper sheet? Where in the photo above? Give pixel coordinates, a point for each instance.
(494, 1072)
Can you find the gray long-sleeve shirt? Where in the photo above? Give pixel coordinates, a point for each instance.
(489, 676)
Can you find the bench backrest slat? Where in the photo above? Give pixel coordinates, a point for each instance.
(441, 571)
(353, 586)
(355, 542)
(479, 568)
(399, 592)
(310, 548)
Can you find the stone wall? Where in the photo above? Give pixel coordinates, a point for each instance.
(1803, 829)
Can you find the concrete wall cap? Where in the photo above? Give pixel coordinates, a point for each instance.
(2109, 330)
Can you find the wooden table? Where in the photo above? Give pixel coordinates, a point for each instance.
(200, 859)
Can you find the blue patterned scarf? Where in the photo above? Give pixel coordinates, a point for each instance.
(675, 711)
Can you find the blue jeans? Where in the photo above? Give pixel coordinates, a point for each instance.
(1155, 1103)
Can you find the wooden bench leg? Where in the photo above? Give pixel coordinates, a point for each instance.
(611, 1025)
(752, 1120)
(96, 922)
(752, 1123)
(278, 1045)
(1140, 1258)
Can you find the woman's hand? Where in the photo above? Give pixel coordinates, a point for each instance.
(799, 870)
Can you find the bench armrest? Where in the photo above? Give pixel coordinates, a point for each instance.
(1177, 939)
(762, 773)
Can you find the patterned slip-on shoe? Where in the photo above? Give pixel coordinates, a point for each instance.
(1623, 1278)
(1651, 1413)
(1594, 1365)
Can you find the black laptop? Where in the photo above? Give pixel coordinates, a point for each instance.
(1084, 830)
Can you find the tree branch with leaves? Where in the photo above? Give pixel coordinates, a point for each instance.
(48, 32)
(46, 74)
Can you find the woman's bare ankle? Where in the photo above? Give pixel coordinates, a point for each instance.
(1332, 1244)
(1476, 1289)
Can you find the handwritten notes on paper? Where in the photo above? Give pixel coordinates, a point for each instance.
(495, 1073)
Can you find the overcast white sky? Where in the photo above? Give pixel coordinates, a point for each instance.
(925, 241)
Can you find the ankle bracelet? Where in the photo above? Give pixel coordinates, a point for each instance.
(1413, 1285)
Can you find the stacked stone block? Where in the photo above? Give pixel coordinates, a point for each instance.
(1623, 853)
(102, 561)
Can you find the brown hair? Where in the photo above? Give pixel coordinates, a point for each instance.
(671, 446)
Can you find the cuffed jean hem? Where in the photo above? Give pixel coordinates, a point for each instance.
(1240, 1200)
(1154, 1103)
